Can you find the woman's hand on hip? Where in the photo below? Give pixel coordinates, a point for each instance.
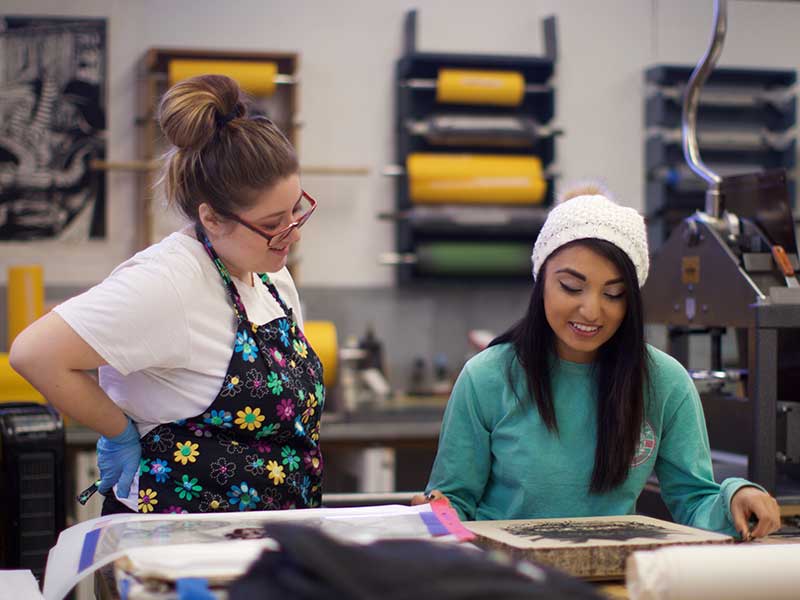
(118, 460)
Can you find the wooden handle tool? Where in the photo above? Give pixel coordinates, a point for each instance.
(785, 265)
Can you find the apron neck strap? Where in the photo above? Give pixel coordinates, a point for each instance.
(274, 291)
(236, 300)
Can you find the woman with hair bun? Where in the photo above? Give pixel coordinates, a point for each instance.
(209, 395)
(568, 412)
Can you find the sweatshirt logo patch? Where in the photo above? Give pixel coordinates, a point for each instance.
(647, 445)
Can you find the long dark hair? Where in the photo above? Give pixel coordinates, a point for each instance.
(620, 369)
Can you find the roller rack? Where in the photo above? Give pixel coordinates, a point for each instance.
(746, 124)
(416, 103)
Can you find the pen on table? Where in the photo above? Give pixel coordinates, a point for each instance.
(84, 496)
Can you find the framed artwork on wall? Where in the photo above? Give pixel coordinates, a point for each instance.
(53, 105)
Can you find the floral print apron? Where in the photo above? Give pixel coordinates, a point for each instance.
(256, 447)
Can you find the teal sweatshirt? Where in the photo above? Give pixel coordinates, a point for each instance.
(498, 460)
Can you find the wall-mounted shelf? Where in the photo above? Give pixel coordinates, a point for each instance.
(745, 124)
(427, 123)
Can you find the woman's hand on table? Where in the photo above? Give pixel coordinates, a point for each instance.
(426, 498)
(750, 502)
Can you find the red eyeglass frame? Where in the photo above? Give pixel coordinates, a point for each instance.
(283, 233)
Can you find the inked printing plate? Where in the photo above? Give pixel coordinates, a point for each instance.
(587, 547)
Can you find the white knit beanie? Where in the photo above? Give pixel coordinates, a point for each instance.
(594, 216)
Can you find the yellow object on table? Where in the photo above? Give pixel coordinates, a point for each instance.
(25, 297)
(475, 178)
(13, 387)
(498, 88)
(255, 77)
(322, 337)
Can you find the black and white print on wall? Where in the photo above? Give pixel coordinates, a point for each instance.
(52, 124)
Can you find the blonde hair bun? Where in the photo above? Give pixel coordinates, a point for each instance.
(219, 154)
(192, 111)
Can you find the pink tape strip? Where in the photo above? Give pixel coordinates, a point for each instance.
(449, 518)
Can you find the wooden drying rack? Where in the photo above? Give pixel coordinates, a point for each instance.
(151, 84)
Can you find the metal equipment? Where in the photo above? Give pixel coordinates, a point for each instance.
(32, 484)
(733, 266)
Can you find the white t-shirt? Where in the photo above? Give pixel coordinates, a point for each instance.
(163, 322)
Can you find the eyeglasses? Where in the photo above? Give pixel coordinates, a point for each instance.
(300, 213)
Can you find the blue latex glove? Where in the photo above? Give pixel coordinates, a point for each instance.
(118, 460)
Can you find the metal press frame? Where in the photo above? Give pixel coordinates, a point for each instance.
(763, 319)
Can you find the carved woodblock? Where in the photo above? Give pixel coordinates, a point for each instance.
(587, 547)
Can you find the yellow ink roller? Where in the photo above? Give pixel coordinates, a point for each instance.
(25, 304)
(322, 337)
(255, 77)
(25, 297)
(475, 178)
(498, 88)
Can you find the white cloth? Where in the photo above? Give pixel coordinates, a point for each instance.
(594, 216)
(19, 584)
(714, 572)
(164, 324)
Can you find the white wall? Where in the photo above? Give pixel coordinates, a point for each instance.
(348, 49)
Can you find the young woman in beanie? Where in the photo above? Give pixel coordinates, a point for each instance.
(209, 395)
(568, 412)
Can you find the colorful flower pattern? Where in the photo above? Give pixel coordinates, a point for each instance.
(231, 387)
(211, 502)
(300, 348)
(218, 418)
(276, 472)
(256, 446)
(283, 330)
(249, 418)
(222, 470)
(268, 430)
(262, 447)
(255, 465)
(246, 345)
(277, 356)
(187, 452)
(231, 445)
(290, 458)
(286, 410)
(313, 461)
(243, 497)
(160, 469)
(188, 488)
(256, 383)
(147, 500)
(274, 383)
(200, 428)
(160, 439)
(311, 407)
